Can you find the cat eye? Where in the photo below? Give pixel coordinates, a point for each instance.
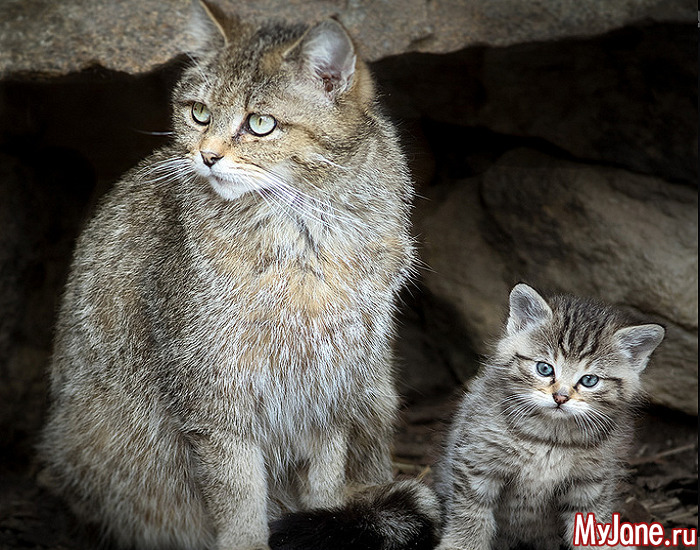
(544, 369)
(200, 113)
(261, 125)
(589, 380)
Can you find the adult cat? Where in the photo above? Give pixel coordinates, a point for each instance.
(223, 349)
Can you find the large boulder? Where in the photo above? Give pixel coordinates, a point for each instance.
(48, 38)
(624, 238)
(625, 98)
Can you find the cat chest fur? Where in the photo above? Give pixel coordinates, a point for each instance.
(294, 342)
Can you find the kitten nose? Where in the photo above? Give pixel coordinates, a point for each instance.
(210, 158)
(560, 398)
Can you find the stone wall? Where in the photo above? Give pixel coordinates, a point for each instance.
(551, 142)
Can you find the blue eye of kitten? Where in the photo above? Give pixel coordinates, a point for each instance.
(544, 369)
(589, 380)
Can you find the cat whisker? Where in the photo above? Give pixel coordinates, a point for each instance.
(518, 406)
(165, 169)
(194, 63)
(283, 200)
(325, 160)
(581, 424)
(311, 203)
(303, 203)
(151, 133)
(273, 201)
(519, 413)
(602, 420)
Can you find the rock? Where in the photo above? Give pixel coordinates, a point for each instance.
(628, 98)
(44, 37)
(605, 233)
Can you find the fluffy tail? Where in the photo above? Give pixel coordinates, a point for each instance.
(399, 516)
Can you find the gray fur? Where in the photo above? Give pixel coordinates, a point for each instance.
(223, 349)
(517, 467)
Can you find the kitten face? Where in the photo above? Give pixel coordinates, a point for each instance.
(571, 361)
(271, 113)
(561, 387)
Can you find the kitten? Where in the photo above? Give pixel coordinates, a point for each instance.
(223, 350)
(542, 431)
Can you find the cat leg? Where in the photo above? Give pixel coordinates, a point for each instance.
(233, 482)
(585, 498)
(469, 522)
(325, 477)
(369, 454)
(369, 459)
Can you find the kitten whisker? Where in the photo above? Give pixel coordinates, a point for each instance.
(581, 424)
(602, 420)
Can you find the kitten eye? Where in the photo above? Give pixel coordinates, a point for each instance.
(589, 380)
(544, 369)
(261, 125)
(200, 113)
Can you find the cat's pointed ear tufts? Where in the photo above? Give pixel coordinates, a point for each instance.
(209, 27)
(638, 342)
(527, 309)
(328, 53)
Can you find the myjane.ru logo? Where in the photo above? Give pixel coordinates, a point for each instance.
(588, 532)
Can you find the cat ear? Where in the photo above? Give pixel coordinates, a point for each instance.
(328, 54)
(638, 342)
(527, 309)
(208, 27)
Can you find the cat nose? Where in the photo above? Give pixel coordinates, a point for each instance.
(210, 158)
(560, 398)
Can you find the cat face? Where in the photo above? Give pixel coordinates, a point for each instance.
(572, 361)
(273, 112)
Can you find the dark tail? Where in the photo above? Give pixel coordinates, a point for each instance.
(404, 515)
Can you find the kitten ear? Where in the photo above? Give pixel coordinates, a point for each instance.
(208, 27)
(638, 342)
(527, 309)
(328, 54)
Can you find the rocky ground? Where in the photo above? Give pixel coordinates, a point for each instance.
(662, 485)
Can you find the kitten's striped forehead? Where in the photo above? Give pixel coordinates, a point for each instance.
(581, 328)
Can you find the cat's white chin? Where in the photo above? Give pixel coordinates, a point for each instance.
(227, 190)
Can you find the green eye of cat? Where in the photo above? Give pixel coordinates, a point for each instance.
(200, 113)
(544, 369)
(589, 380)
(261, 125)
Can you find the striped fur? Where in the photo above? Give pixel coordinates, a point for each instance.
(223, 352)
(528, 451)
